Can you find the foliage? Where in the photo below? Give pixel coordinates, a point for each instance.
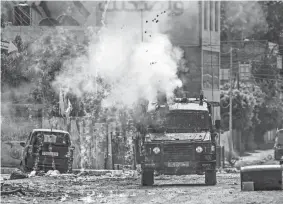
(245, 101)
(37, 65)
(274, 18)
(259, 20)
(266, 76)
(241, 19)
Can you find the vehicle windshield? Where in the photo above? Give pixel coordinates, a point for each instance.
(51, 137)
(280, 137)
(184, 121)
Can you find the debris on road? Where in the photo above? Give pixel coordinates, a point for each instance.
(231, 170)
(18, 174)
(19, 190)
(52, 173)
(32, 174)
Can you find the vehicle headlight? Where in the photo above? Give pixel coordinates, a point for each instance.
(156, 150)
(199, 149)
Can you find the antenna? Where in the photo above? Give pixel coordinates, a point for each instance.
(201, 98)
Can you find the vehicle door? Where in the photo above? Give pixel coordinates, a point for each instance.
(31, 149)
(25, 153)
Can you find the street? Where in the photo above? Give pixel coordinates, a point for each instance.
(127, 189)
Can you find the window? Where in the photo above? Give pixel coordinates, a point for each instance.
(224, 74)
(22, 16)
(211, 70)
(205, 14)
(217, 16)
(245, 70)
(188, 120)
(211, 15)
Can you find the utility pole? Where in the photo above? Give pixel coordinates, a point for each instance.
(142, 25)
(231, 94)
(238, 80)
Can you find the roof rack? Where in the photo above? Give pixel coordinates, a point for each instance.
(188, 100)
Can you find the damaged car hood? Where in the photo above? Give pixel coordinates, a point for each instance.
(203, 136)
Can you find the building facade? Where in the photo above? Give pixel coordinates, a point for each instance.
(200, 40)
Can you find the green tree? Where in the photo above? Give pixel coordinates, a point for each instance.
(37, 64)
(244, 110)
(259, 20)
(274, 18)
(242, 19)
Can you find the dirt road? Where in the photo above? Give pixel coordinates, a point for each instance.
(167, 189)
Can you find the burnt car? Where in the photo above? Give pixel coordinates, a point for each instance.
(278, 146)
(183, 143)
(47, 149)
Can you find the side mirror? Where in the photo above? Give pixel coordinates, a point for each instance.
(217, 124)
(22, 144)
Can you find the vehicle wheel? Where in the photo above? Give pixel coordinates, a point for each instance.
(275, 156)
(64, 171)
(210, 177)
(147, 178)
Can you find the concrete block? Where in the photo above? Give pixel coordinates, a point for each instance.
(261, 177)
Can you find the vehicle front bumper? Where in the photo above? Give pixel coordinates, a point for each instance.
(192, 168)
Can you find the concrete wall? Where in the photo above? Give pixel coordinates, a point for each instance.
(228, 143)
(93, 141)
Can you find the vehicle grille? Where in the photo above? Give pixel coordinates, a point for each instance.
(178, 152)
(178, 148)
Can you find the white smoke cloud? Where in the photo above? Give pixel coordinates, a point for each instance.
(133, 68)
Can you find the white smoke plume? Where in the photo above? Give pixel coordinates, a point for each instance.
(133, 68)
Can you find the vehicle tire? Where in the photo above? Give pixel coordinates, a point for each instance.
(64, 170)
(210, 177)
(147, 178)
(275, 156)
